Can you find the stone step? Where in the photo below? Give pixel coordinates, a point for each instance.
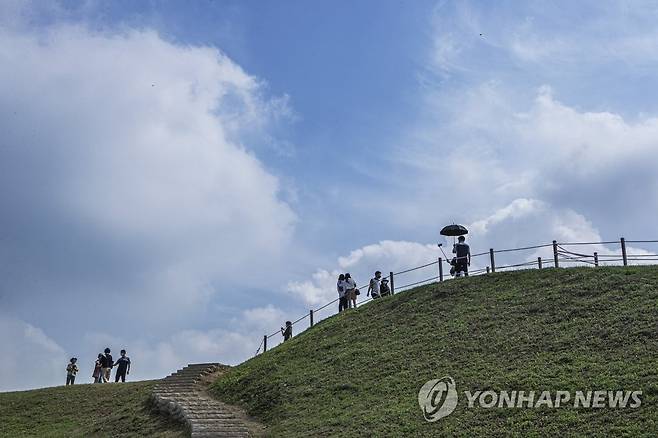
(214, 420)
(205, 415)
(218, 428)
(219, 435)
(202, 411)
(181, 396)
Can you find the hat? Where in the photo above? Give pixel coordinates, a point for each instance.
(385, 279)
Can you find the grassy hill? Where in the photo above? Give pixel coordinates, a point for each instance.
(110, 410)
(359, 373)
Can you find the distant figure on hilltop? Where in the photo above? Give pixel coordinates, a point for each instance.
(107, 363)
(463, 256)
(351, 292)
(384, 289)
(374, 286)
(287, 332)
(123, 367)
(98, 369)
(341, 286)
(71, 371)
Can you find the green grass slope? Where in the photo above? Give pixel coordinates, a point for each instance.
(359, 373)
(107, 410)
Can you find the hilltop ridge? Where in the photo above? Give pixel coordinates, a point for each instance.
(359, 373)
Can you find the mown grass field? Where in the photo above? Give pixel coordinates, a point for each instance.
(102, 410)
(358, 373)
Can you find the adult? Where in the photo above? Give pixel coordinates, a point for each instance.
(463, 257)
(123, 367)
(287, 332)
(373, 287)
(106, 366)
(98, 369)
(351, 291)
(341, 286)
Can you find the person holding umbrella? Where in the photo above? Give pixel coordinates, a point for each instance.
(462, 259)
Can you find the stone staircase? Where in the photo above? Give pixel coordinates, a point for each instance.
(182, 396)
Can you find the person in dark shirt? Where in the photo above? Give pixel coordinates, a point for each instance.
(287, 332)
(463, 259)
(384, 289)
(107, 363)
(123, 367)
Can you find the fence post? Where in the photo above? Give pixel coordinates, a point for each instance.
(264, 343)
(493, 263)
(487, 269)
(310, 314)
(392, 283)
(440, 269)
(596, 258)
(555, 254)
(623, 251)
(539, 262)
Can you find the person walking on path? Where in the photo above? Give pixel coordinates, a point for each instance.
(107, 363)
(463, 256)
(123, 367)
(351, 291)
(71, 371)
(341, 286)
(287, 332)
(373, 287)
(98, 369)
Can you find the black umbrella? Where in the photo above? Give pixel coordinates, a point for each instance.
(454, 230)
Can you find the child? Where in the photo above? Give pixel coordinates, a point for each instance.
(71, 371)
(98, 369)
(123, 367)
(287, 332)
(384, 290)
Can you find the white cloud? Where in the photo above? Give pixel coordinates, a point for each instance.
(127, 148)
(131, 192)
(30, 358)
(386, 256)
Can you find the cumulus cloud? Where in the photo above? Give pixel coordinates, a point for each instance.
(131, 192)
(30, 359)
(117, 164)
(361, 263)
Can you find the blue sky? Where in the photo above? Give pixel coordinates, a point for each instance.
(177, 178)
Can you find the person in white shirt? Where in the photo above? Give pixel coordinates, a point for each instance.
(341, 286)
(351, 291)
(373, 287)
